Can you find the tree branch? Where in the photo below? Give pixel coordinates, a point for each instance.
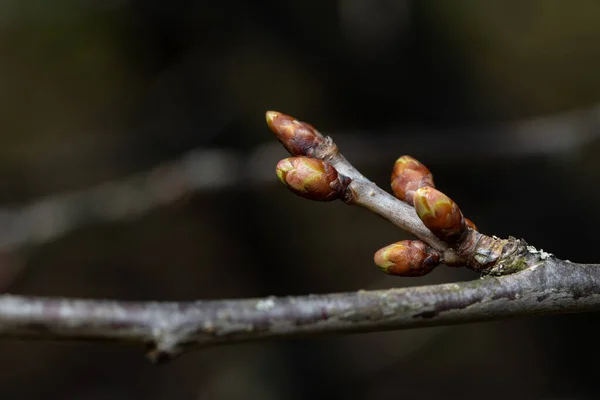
(520, 279)
(377, 200)
(550, 287)
(61, 214)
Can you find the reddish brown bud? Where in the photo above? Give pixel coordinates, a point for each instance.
(312, 178)
(470, 224)
(299, 138)
(439, 213)
(407, 258)
(407, 176)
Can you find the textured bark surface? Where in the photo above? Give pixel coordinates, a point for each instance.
(519, 280)
(546, 286)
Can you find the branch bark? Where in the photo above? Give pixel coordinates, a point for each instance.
(520, 280)
(168, 328)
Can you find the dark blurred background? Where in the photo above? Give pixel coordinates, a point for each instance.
(135, 163)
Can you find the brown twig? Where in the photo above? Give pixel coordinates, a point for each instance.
(373, 198)
(467, 247)
(20, 224)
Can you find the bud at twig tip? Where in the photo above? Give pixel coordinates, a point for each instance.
(270, 115)
(299, 138)
(312, 178)
(407, 258)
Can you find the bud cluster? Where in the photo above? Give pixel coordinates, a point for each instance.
(411, 182)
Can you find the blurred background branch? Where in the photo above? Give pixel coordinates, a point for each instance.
(50, 217)
(103, 102)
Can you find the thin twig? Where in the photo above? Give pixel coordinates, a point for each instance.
(373, 198)
(51, 217)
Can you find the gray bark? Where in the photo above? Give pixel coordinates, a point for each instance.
(549, 287)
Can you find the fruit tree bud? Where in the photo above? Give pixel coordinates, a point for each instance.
(299, 138)
(407, 258)
(312, 178)
(407, 176)
(439, 213)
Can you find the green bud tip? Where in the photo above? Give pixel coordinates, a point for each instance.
(312, 178)
(439, 213)
(407, 258)
(408, 175)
